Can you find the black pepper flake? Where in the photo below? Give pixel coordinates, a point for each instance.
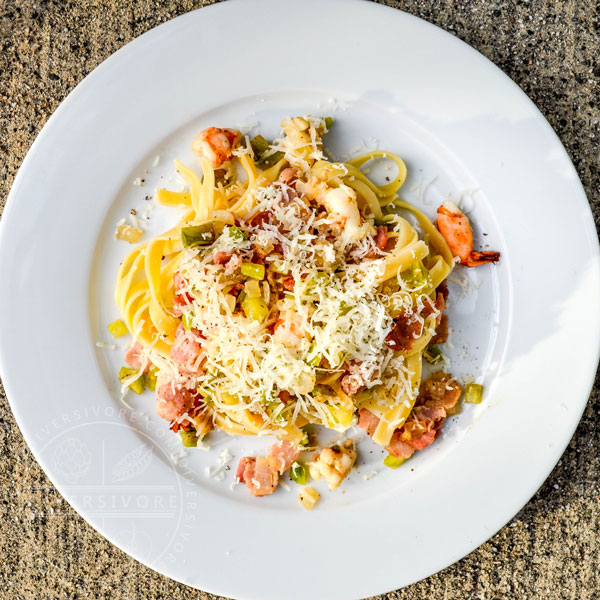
(133, 211)
(148, 198)
(227, 467)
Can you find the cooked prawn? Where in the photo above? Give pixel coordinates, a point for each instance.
(216, 144)
(455, 227)
(341, 204)
(289, 331)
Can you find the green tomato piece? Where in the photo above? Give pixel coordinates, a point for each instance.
(150, 379)
(473, 393)
(253, 270)
(255, 309)
(236, 233)
(188, 438)
(392, 462)
(138, 385)
(298, 473)
(117, 328)
(197, 235)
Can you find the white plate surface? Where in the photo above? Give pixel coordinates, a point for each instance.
(527, 328)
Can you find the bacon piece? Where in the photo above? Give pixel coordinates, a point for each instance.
(230, 260)
(438, 393)
(221, 257)
(404, 333)
(422, 441)
(443, 289)
(287, 176)
(288, 283)
(259, 218)
(429, 413)
(440, 390)
(398, 448)
(381, 239)
(181, 298)
(174, 401)
(285, 396)
(186, 348)
(134, 357)
(259, 475)
(244, 462)
(233, 264)
(283, 454)
(367, 421)
(441, 331)
(351, 384)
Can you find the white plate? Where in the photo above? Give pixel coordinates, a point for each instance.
(528, 329)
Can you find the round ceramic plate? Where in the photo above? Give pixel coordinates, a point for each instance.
(527, 328)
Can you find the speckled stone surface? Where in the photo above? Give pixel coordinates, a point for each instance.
(551, 549)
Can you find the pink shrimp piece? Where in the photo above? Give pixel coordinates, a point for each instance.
(216, 144)
(455, 227)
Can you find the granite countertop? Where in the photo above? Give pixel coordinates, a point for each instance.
(551, 49)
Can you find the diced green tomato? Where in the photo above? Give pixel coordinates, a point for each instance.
(188, 438)
(117, 328)
(255, 308)
(314, 361)
(392, 462)
(186, 319)
(278, 266)
(259, 145)
(198, 235)
(433, 355)
(269, 161)
(313, 358)
(298, 473)
(274, 409)
(126, 372)
(380, 222)
(150, 379)
(237, 234)
(455, 410)
(328, 122)
(252, 288)
(138, 385)
(473, 393)
(418, 275)
(253, 270)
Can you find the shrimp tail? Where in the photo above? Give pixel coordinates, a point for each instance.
(475, 259)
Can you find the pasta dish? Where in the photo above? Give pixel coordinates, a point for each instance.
(295, 291)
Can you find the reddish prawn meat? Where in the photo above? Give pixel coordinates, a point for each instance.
(456, 229)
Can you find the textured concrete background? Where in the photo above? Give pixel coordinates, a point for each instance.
(551, 48)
